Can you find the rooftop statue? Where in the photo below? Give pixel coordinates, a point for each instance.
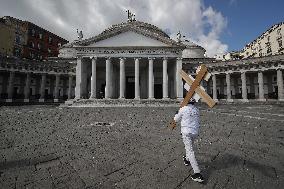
(181, 38)
(80, 34)
(130, 16)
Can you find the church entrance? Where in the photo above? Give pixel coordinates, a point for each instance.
(130, 87)
(158, 91)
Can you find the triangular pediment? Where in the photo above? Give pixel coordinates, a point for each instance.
(126, 39)
(130, 34)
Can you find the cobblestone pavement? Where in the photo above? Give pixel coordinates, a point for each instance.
(239, 146)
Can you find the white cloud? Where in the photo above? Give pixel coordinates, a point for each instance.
(201, 24)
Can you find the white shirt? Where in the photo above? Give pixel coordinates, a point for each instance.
(189, 116)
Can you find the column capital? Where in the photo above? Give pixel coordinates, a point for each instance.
(151, 58)
(122, 58)
(165, 58)
(243, 71)
(93, 57)
(107, 57)
(179, 58)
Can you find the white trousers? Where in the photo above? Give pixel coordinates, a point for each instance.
(188, 140)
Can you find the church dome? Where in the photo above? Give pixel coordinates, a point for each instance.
(192, 50)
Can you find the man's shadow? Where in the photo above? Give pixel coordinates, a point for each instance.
(229, 160)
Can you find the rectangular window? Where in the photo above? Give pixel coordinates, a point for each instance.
(280, 43)
(50, 40)
(33, 32)
(18, 39)
(18, 52)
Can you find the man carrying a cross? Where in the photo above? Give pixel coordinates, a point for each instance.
(190, 122)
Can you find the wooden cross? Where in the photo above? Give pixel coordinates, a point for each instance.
(194, 87)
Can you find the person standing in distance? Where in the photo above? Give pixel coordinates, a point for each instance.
(190, 122)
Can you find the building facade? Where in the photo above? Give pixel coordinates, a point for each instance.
(267, 44)
(13, 34)
(136, 60)
(24, 39)
(133, 60)
(7, 35)
(41, 44)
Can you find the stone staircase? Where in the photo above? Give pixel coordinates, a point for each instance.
(122, 103)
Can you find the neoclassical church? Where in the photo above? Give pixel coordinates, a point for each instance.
(132, 60)
(136, 60)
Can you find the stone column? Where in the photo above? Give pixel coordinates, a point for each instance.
(94, 78)
(108, 78)
(179, 84)
(122, 78)
(165, 79)
(260, 86)
(81, 79)
(27, 88)
(214, 87)
(64, 87)
(137, 85)
(70, 81)
(228, 82)
(22, 85)
(280, 85)
(11, 86)
(56, 88)
(244, 86)
(42, 87)
(151, 80)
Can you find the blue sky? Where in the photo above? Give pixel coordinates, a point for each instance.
(247, 19)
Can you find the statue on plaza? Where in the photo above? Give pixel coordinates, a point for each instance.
(80, 35)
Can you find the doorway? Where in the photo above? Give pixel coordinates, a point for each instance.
(158, 91)
(130, 87)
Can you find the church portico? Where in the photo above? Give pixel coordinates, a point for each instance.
(125, 77)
